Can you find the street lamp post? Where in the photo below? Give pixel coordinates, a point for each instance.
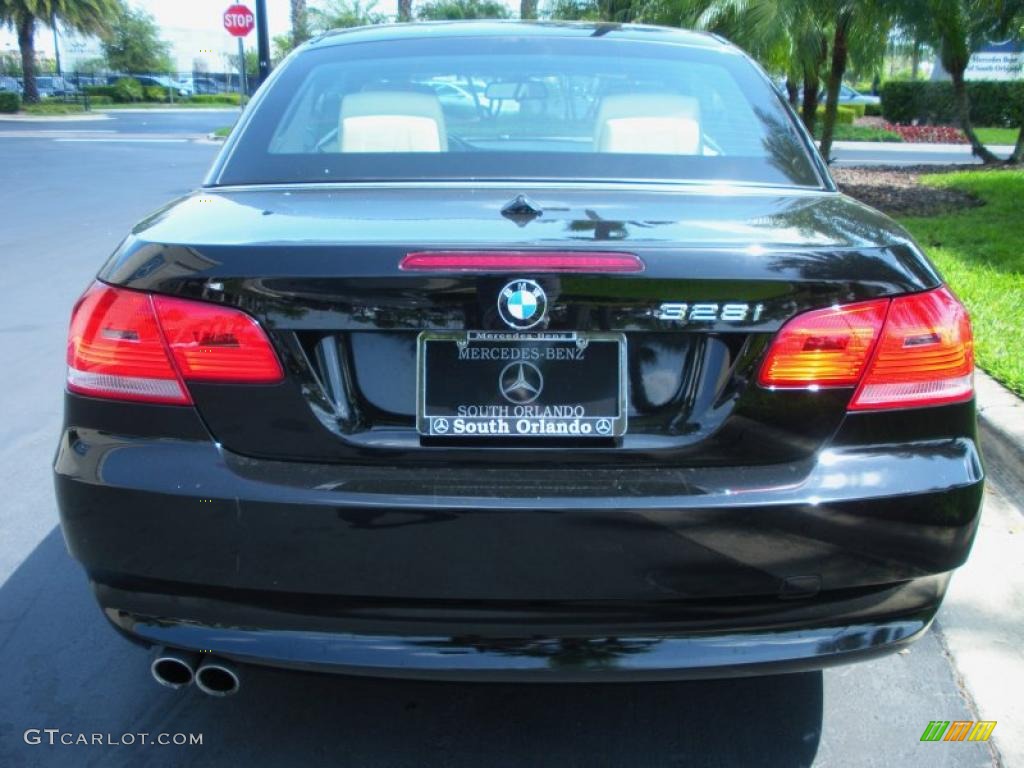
(262, 39)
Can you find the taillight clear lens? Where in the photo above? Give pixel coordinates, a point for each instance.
(212, 343)
(825, 347)
(132, 346)
(925, 355)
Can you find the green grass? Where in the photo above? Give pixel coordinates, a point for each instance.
(165, 105)
(859, 133)
(52, 108)
(997, 135)
(980, 252)
(224, 131)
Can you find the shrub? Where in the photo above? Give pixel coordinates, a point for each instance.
(108, 91)
(128, 89)
(845, 114)
(10, 102)
(872, 110)
(100, 99)
(858, 109)
(217, 98)
(155, 93)
(992, 103)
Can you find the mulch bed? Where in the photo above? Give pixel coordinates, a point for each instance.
(895, 190)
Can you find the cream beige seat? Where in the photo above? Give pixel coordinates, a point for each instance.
(649, 123)
(392, 121)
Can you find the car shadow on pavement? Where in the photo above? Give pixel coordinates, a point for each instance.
(63, 667)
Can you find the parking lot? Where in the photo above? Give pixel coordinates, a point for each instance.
(69, 192)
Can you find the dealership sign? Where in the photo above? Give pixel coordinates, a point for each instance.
(997, 61)
(239, 20)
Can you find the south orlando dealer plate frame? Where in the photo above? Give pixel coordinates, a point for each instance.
(583, 374)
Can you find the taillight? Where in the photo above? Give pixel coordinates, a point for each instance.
(825, 347)
(115, 349)
(909, 351)
(128, 345)
(212, 343)
(925, 355)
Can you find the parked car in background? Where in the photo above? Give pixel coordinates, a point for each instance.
(849, 96)
(9, 84)
(207, 86)
(50, 87)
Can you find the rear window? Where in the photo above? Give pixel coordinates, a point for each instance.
(504, 108)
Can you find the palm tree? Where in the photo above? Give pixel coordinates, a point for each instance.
(88, 16)
(341, 14)
(300, 22)
(957, 27)
(405, 10)
(860, 28)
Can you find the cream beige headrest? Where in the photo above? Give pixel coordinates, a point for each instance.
(648, 123)
(392, 121)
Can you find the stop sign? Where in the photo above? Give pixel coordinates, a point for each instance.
(239, 20)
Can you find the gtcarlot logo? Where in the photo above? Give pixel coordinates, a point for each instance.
(54, 736)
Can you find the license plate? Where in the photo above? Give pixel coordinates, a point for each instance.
(483, 384)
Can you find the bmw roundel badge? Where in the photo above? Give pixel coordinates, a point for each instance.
(522, 304)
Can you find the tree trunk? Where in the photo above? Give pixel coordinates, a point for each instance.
(809, 109)
(527, 9)
(27, 44)
(963, 108)
(835, 81)
(1017, 157)
(405, 10)
(792, 92)
(300, 22)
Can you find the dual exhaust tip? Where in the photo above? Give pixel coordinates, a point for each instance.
(212, 676)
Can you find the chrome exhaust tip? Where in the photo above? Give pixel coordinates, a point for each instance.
(173, 668)
(216, 677)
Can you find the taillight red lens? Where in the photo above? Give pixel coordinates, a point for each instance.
(521, 261)
(212, 343)
(129, 345)
(824, 348)
(925, 355)
(115, 349)
(905, 352)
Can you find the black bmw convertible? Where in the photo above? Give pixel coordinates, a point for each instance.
(505, 351)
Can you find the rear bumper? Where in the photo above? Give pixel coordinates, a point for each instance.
(600, 647)
(512, 573)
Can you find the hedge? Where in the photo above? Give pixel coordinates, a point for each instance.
(155, 93)
(10, 102)
(993, 103)
(216, 98)
(124, 90)
(845, 113)
(128, 89)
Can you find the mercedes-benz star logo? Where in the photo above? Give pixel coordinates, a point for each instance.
(520, 383)
(522, 304)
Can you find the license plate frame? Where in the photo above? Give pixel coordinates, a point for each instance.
(600, 413)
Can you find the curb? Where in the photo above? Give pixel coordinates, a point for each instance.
(76, 117)
(1001, 418)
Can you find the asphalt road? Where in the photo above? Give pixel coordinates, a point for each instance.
(63, 207)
